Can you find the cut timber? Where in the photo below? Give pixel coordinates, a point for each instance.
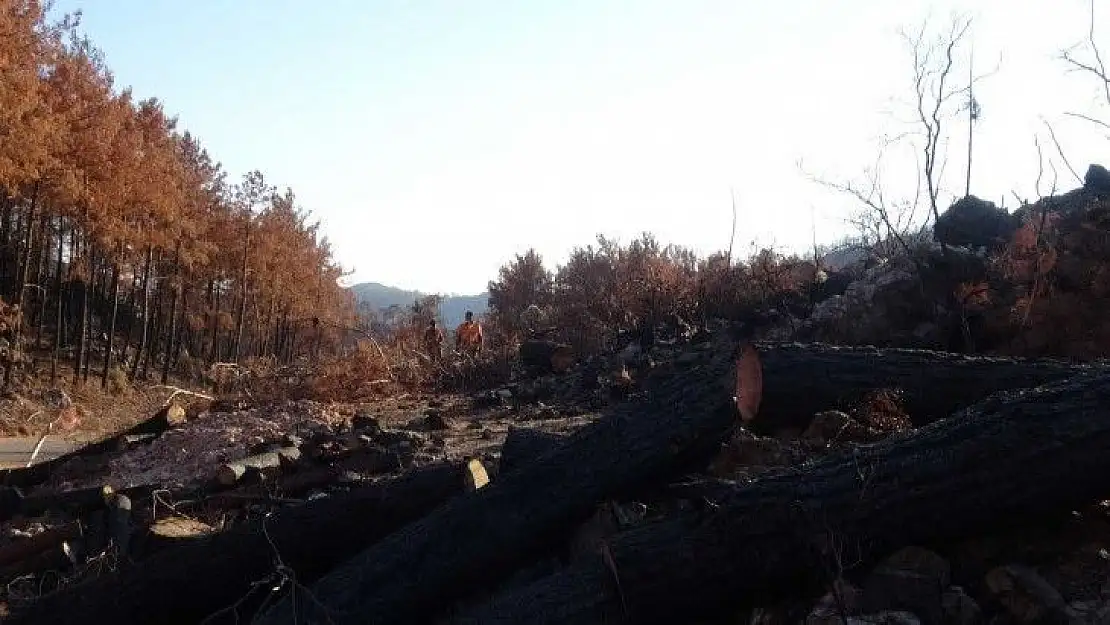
(170, 416)
(429, 564)
(19, 550)
(523, 445)
(77, 501)
(475, 475)
(218, 570)
(801, 380)
(230, 473)
(678, 424)
(172, 531)
(1013, 456)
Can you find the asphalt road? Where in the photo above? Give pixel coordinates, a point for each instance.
(16, 450)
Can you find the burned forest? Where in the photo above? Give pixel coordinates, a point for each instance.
(200, 422)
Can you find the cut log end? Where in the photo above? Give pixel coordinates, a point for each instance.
(475, 475)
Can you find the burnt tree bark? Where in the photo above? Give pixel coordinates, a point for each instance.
(523, 444)
(800, 380)
(219, 570)
(412, 574)
(1013, 456)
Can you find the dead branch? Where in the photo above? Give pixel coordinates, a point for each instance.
(1097, 67)
(1060, 150)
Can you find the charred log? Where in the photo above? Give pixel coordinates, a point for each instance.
(1013, 456)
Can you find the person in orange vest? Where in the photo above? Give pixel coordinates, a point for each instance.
(468, 336)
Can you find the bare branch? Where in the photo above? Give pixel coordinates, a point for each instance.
(1088, 118)
(1097, 68)
(1060, 150)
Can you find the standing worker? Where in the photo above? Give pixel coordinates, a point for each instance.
(468, 336)
(433, 341)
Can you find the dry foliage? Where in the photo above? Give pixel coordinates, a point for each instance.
(609, 290)
(122, 241)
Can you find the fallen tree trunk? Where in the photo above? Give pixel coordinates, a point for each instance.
(523, 445)
(19, 550)
(473, 542)
(1008, 458)
(185, 584)
(679, 424)
(800, 380)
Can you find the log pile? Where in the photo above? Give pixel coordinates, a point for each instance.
(652, 513)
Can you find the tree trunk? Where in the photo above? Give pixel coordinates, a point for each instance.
(219, 570)
(111, 325)
(524, 444)
(1013, 456)
(21, 280)
(238, 343)
(58, 333)
(677, 426)
(800, 380)
(145, 321)
(416, 571)
(171, 333)
(214, 296)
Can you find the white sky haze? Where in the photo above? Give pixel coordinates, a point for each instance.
(436, 138)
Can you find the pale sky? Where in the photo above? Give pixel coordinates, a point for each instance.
(436, 138)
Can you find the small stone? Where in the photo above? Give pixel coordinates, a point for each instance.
(1024, 593)
(434, 421)
(912, 579)
(959, 608)
(364, 423)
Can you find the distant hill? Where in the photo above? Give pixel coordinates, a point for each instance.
(453, 308)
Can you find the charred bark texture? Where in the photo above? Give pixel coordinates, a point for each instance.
(1013, 456)
(800, 380)
(186, 584)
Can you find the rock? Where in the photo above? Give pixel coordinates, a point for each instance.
(912, 579)
(840, 602)
(975, 223)
(364, 423)
(1025, 594)
(405, 452)
(1097, 181)
(959, 608)
(392, 438)
(434, 421)
(370, 461)
(746, 451)
(893, 617)
(263, 448)
(504, 394)
(833, 426)
(687, 359)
